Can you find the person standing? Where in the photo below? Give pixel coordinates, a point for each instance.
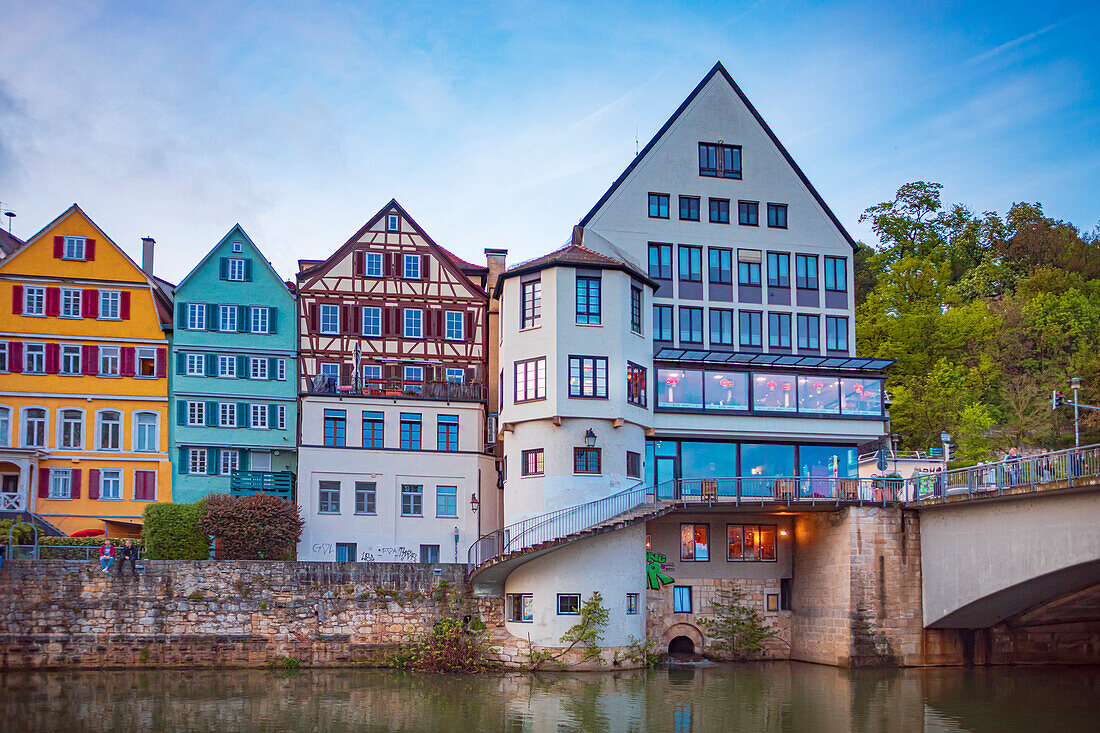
(129, 554)
(106, 555)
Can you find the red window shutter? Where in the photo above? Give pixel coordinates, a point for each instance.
(17, 300)
(53, 358)
(89, 360)
(139, 485)
(145, 485)
(126, 359)
(469, 326)
(431, 329)
(395, 320)
(387, 264)
(357, 263)
(89, 249)
(91, 303)
(58, 247)
(162, 363)
(15, 357)
(313, 318)
(74, 484)
(345, 319)
(425, 266)
(43, 483)
(124, 305)
(93, 483)
(53, 301)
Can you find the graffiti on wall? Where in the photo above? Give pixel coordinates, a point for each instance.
(655, 576)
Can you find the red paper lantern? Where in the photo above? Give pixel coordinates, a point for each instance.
(771, 385)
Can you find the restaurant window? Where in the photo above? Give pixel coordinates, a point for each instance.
(588, 300)
(808, 331)
(836, 274)
(773, 392)
(636, 309)
(530, 380)
(721, 266)
(681, 599)
(662, 323)
(586, 460)
(335, 428)
(532, 304)
(779, 274)
(819, 394)
(689, 208)
(679, 388)
(750, 542)
(721, 327)
(691, 325)
(569, 604)
(531, 462)
(695, 542)
(588, 376)
(726, 391)
(519, 608)
(779, 330)
(750, 326)
(861, 396)
(691, 263)
(635, 384)
(660, 261)
(658, 206)
(805, 271)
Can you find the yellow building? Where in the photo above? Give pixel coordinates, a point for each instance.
(83, 380)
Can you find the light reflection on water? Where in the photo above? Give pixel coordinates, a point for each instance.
(749, 697)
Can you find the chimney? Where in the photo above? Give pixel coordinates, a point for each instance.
(147, 255)
(496, 260)
(578, 236)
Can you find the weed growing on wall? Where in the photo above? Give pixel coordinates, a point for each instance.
(643, 652)
(448, 647)
(736, 627)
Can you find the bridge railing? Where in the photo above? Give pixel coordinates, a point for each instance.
(1068, 466)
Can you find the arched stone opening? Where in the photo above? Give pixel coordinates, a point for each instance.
(681, 645)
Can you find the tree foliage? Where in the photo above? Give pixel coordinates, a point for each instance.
(447, 647)
(737, 627)
(256, 527)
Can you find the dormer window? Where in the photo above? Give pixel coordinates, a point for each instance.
(237, 247)
(393, 223)
(74, 248)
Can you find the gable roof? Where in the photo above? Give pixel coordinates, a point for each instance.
(718, 68)
(239, 230)
(9, 243)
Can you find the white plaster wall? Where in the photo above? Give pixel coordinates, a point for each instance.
(612, 563)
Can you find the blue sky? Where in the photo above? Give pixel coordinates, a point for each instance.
(500, 124)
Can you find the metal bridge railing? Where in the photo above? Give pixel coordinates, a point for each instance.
(1068, 466)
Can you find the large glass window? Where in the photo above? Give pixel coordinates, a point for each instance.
(723, 161)
(836, 273)
(691, 325)
(750, 542)
(707, 460)
(662, 323)
(828, 461)
(588, 300)
(805, 271)
(861, 396)
(808, 330)
(726, 391)
(779, 330)
(721, 327)
(836, 333)
(766, 459)
(721, 265)
(660, 261)
(588, 376)
(773, 392)
(679, 388)
(819, 394)
(750, 327)
(779, 275)
(691, 263)
(695, 542)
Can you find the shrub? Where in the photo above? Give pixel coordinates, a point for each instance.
(256, 527)
(171, 532)
(447, 647)
(736, 627)
(23, 535)
(59, 548)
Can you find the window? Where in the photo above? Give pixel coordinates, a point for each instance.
(446, 501)
(414, 318)
(588, 376)
(196, 413)
(779, 330)
(691, 325)
(280, 370)
(721, 327)
(110, 430)
(660, 261)
(720, 211)
(748, 267)
(110, 484)
(330, 370)
(447, 432)
(258, 416)
(808, 330)
(750, 326)
(836, 333)
(373, 427)
(723, 161)
(412, 267)
(72, 429)
(145, 432)
(230, 461)
(636, 309)
(631, 604)
(412, 500)
(227, 414)
(257, 367)
(238, 247)
(328, 498)
(779, 275)
(455, 375)
(586, 460)
(227, 318)
(532, 304)
(34, 300)
(777, 216)
(34, 428)
(70, 359)
(261, 318)
(530, 380)
(805, 271)
(109, 307)
(393, 223)
(146, 362)
(454, 327)
(194, 365)
(721, 266)
(227, 365)
(345, 552)
(196, 316)
(235, 269)
(71, 300)
(836, 274)
(429, 554)
(282, 417)
(335, 428)
(196, 460)
(4, 366)
(330, 318)
(531, 462)
(588, 300)
(689, 208)
(34, 358)
(410, 431)
(61, 483)
(108, 361)
(5, 427)
(414, 379)
(658, 206)
(662, 323)
(750, 542)
(748, 213)
(681, 599)
(695, 542)
(519, 607)
(633, 464)
(691, 264)
(373, 264)
(74, 248)
(773, 393)
(635, 384)
(569, 604)
(366, 497)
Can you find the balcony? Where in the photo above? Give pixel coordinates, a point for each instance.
(321, 384)
(276, 483)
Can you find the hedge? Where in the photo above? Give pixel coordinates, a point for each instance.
(171, 532)
(257, 527)
(58, 548)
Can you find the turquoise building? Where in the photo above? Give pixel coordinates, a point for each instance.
(234, 375)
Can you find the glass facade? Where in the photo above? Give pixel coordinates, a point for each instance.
(679, 388)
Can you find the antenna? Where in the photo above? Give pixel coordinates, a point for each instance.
(635, 139)
(8, 213)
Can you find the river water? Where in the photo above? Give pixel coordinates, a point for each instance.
(748, 697)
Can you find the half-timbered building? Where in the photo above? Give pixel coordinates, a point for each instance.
(392, 437)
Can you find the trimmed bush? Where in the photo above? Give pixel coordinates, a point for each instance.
(63, 548)
(171, 532)
(256, 527)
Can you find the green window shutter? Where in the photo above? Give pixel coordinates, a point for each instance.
(181, 412)
(242, 367)
(211, 414)
(272, 417)
(181, 315)
(244, 323)
(211, 316)
(273, 320)
(181, 465)
(248, 270)
(244, 416)
(223, 268)
(212, 461)
(211, 365)
(272, 367)
(181, 363)
(244, 460)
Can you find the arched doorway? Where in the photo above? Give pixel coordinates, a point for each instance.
(681, 645)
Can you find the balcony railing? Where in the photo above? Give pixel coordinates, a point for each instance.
(276, 483)
(1069, 467)
(430, 390)
(12, 502)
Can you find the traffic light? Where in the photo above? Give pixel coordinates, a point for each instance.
(1056, 400)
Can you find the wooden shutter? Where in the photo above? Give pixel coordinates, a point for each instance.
(345, 373)
(124, 305)
(15, 357)
(211, 414)
(248, 270)
(89, 249)
(345, 319)
(468, 326)
(273, 320)
(58, 247)
(89, 360)
(43, 483)
(243, 371)
(425, 266)
(53, 358)
(93, 483)
(53, 301)
(212, 316)
(223, 268)
(244, 415)
(17, 300)
(126, 359)
(74, 483)
(211, 365)
(272, 417)
(162, 362)
(357, 263)
(181, 362)
(429, 326)
(90, 306)
(182, 464)
(312, 317)
(212, 461)
(388, 269)
(181, 412)
(181, 316)
(244, 321)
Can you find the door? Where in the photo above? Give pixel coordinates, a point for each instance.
(665, 475)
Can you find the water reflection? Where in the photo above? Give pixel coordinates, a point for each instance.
(778, 696)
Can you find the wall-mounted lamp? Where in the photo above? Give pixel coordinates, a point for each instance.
(474, 503)
(782, 533)
(590, 438)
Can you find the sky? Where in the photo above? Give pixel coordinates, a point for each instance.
(500, 124)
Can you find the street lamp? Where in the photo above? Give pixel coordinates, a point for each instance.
(895, 440)
(1075, 384)
(474, 503)
(590, 438)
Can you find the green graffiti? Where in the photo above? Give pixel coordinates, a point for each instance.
(654, 574)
